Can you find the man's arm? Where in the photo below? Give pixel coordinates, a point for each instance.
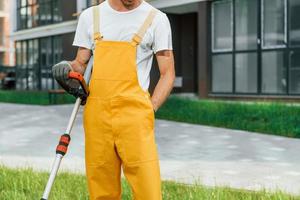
(82, 58)
(165, 60)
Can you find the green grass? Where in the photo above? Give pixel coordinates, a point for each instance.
(34, 97)
(271, 118)
(29, 185)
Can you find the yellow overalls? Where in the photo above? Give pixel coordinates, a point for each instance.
(119, 122)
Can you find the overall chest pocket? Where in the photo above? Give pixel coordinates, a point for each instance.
(114, 61)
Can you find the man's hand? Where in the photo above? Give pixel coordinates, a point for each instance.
(61, 72)
(81, 60)
(165, 60)
(78, 67)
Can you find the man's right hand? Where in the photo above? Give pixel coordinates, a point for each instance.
(61, 72)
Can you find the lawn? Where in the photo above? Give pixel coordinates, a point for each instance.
(29, 185)
(271, 118)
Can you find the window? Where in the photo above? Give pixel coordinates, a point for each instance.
(18, 53)
(274, 23)
(294, 22)
(246, 24)
(57, 11)
(35, 59)
(46, 63)
(295, 72)
(1, 58)
(33, 13)
(93, 2)
(89, 3)
(32, 65)
(222, 73)
(32, 17)
(45, 12)
(57, 53)
(21, 57)
(246, 72)
(22, 13)
(265, 47)
(273, 73)
(222, 26)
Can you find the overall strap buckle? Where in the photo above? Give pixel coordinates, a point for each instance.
(136, 40)
(138, 37)
(96, 16)
(98, 36)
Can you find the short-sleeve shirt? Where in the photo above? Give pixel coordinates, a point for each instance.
(121, 26)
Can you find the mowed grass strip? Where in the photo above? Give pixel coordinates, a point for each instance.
(270, 118)
(26, 184)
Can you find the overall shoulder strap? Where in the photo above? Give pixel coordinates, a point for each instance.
(96, 20)
(138, 37)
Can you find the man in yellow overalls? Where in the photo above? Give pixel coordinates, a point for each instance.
(119, 112)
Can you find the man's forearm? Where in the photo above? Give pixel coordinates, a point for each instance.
(78, 67)
(162, 90)
(165, 60)
(81, 60)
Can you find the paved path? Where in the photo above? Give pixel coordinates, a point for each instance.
(188, 153)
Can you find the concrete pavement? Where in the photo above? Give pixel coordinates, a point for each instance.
(188, 153)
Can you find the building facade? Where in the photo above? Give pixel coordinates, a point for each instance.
(237, 48)
(6, 44)
(223, 48)
(255, 48)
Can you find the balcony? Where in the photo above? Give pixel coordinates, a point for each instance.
(35, 14)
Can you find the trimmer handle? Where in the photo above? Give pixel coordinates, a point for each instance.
(82, 92)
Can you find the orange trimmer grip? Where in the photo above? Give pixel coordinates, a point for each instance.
(63, 144)
(76, 75)
(79, 77)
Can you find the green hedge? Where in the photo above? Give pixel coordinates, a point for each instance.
(34, 97)
(271, 118)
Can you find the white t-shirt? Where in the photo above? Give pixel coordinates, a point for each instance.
(121, 26)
